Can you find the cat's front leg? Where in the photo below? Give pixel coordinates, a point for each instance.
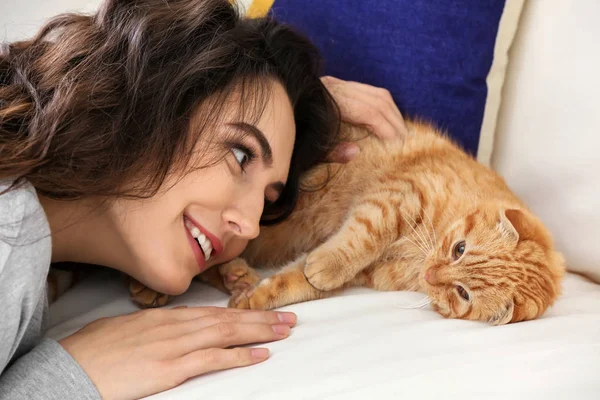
(369, 228)
(286, 287)
(233, 276)
(237, 275)
(145, 297)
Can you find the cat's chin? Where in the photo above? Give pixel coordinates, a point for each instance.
(440, 310)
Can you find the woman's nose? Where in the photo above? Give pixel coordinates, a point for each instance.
(244, 229)
(244, 222)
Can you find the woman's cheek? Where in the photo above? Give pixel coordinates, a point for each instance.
(234, 248)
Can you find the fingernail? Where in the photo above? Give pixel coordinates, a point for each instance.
(351, 151)
(259, 354)
(281, 330)
(287, 318)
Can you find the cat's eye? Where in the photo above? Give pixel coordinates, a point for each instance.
(462, 292)
(459, 250)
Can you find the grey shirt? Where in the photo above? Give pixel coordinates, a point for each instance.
(30, 367)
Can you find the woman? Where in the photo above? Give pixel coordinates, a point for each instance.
(121, 131)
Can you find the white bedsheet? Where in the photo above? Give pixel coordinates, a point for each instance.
(363, 346)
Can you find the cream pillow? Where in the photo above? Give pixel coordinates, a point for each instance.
(548, 140)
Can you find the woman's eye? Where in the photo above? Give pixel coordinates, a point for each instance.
(462, 292)
(241, 156)
(459, 250)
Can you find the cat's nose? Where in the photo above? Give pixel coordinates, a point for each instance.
(430, 276)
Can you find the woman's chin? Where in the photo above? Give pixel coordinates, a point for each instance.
(170, 283)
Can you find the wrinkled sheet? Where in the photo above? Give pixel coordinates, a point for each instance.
(363, 345)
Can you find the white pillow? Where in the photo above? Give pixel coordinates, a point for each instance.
(21, 19)
(548, 139)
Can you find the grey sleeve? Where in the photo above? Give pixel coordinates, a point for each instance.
(47, 372)
(30, 368)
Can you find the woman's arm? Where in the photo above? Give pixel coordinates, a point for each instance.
(30, 369)
(47, 372)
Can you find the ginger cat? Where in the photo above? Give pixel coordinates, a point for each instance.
(414, 214)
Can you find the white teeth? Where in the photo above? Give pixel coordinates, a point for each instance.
(203, 241)
(206, 245)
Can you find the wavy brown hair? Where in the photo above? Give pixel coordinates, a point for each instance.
(100, 105)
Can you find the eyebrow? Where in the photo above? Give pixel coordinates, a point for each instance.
(265, 149)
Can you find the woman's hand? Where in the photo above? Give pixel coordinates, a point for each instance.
(149, 351)
(365, 105)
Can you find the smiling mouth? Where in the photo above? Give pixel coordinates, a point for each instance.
(204, 243)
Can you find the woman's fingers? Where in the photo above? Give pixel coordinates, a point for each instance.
(226, 334)
(210, 360)
(177, 329)
(383, 103)
(373, 107)
(343, 152)
(252, 317)
(191, 313)
(367, 105)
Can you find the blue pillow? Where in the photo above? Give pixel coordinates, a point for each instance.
(432, 55)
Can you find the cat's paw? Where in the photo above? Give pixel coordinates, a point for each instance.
(145, 297)
(324, 271)
(241, 299)
(252, 298)
(238, 276)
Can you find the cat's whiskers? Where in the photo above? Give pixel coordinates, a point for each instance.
(428, 238)
(417, 246)
(419, 243)
(432, 229)
(429, 218)
(422, 238)
(422, 226)
(421, 304)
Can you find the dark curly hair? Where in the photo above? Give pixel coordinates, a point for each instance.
(100, 105)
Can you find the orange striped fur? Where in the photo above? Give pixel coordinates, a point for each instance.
(394, 218)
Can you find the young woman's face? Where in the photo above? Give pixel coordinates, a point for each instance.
(219, 206)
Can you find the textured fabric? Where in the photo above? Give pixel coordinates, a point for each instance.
(47, 372)
(362, 345)
(507, 30)
(30, 370)
(433, 56)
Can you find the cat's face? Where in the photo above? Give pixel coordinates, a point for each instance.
(493, 265)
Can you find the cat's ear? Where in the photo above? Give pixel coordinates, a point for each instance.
(517, 225)
(507, 226)
(504, 316)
